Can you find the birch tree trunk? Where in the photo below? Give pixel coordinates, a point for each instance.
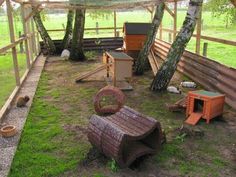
(43, 33)
(77, 51)
(168, 68)
(143, 54)
(68, 33)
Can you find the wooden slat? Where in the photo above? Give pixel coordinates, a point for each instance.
(198, 35)
(31, 34)
(7, 47)
(115, 23)
(96, 70)
(12, 37)
(213, 39)
(26, 41)
(169, 11)
(175, 20)
(87, 29)
(223, 41)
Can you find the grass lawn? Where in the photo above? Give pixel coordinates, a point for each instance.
(7, 76)
(211, 26)
(54, 141)
(214, 27)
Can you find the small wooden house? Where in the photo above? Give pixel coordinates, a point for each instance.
(135, 35)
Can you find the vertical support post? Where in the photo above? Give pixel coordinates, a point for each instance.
(33, 37)
(170, 38)
(175, 20)
(198, 35)
(21, 44)
(114, 23)
(97, 26)
(160, 31)
(152, 12)
(38, 42)
(25, 34)
(30, 36)
(12, 37)
(205, 45)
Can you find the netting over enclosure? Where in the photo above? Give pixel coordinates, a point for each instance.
(91, 4)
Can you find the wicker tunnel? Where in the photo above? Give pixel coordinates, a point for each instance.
(125, 135)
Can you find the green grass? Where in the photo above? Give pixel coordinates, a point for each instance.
(212, 26)
(47, 148)
(44, 151)
(7, 76)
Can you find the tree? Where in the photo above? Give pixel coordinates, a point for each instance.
(43, 33)
(222, 7)
(233, 2)
(77, 51)
(168, 68)
(143, 55)
(68, 33)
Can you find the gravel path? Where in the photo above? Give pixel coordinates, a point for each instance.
(17, 116)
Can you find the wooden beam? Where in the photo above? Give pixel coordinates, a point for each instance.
(33, 37)
(160, 31)
(18, 1)
(25, 33)
(12, 37)
(36, 9)
(67, 5)
(175, 20)
(115, 23)
(7, 47)
(169, 11)
(28, 10)
(198, 33)
(208, 38)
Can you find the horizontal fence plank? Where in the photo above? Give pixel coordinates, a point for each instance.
(208, 38)
(87, 29)
(7, 47)
(91, 44)
(208, 73)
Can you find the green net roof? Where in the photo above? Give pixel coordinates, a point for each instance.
(94, 4)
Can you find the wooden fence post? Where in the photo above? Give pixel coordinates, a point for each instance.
(115, 24)
(170, 38)
(97, 26)
(25, 34)
(30, 35)
(198, 35)
(12, 37)
(175, 20)
(33, 37)
(205, 45)
(21, 44)
(160, 31)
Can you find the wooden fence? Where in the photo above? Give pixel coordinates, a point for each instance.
(32, 49)
(210, 74)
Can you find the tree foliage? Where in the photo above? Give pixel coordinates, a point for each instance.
(222, 7)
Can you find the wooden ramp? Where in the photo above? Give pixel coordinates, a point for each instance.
(194, 118)
(86, 75)
(153, 62)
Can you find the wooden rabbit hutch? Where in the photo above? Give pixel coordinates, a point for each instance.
(134, 36)
(204, 104)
